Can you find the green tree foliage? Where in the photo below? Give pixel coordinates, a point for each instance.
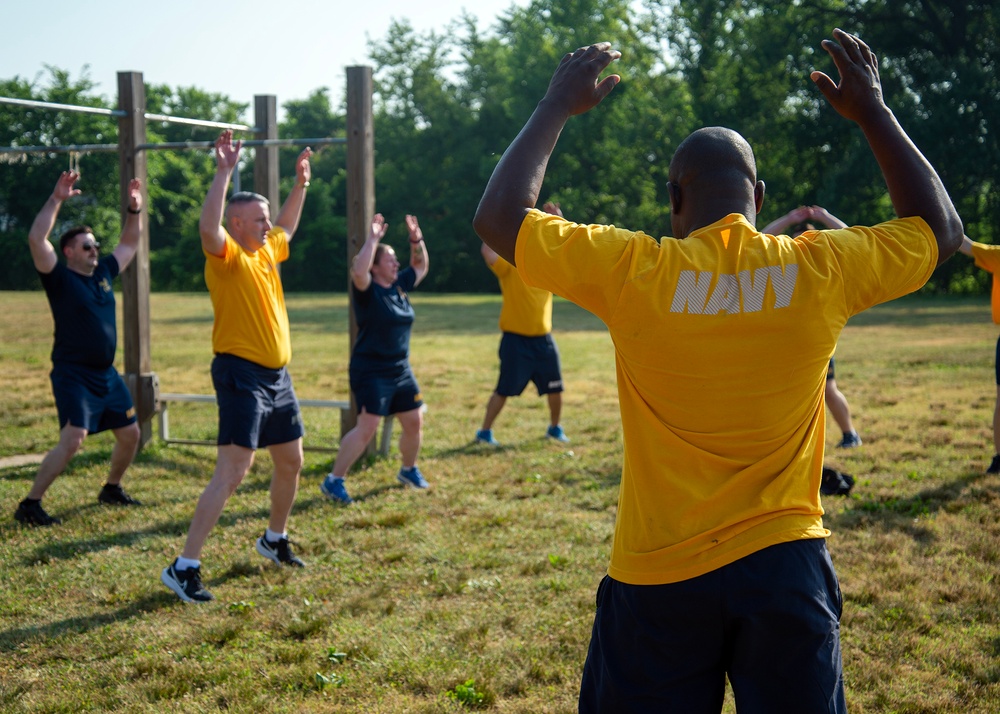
(26, 180)
(447, 103)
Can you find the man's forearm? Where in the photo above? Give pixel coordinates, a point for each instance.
(42, 226)
(291, 211)
(215, 201)
(517, 180)
(915, 188)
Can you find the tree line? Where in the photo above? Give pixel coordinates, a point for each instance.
(448, 102)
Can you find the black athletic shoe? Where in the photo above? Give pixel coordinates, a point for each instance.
(280, 552)
(835, 483)
(186, 583)
(994, 465)
(114, 494)
(31, 513)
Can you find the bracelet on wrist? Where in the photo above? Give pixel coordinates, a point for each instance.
(414, 242)
(133, 212)
(303, 185)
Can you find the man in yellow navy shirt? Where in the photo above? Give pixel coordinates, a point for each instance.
(987, 257)
(528, 353)
(250, 339)
(722, 336)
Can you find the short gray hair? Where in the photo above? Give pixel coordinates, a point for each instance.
(248, 197)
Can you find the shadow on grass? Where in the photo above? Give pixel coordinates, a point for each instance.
(904, 513)
(11, 640)
(64, 549)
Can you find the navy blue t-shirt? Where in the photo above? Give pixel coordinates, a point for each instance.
(384, 317)
(83, 308)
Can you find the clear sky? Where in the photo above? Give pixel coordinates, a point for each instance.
(286, 48)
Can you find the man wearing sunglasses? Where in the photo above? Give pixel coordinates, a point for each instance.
(89, 393)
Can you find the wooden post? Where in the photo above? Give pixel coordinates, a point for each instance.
(360, 194)
(141, 381)
(265, 164)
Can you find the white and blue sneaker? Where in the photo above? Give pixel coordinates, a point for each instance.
(556, 432)
(333, 488)
(412, 477)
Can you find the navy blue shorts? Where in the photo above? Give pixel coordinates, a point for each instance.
(528, 359)
(770, 621)
(830, 373)
(94, 399)
(385, 389)
(257, 405)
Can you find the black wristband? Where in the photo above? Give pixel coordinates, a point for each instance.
(134, 213)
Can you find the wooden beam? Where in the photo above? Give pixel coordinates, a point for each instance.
(360, 193)
(265, 163)
(135, 279)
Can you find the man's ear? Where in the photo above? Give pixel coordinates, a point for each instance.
(758, 196)
(675, 197)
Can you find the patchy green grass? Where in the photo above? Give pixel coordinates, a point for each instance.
(479, 594)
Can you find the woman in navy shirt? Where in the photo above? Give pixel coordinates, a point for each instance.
(381, 378)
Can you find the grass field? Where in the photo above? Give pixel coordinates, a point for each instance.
(478, 594)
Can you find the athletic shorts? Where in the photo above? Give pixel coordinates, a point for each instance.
(385, 389)
(996, 362)
(830, 372)
(94, 399)
(770, 621)
(257, 405)
(528, 359)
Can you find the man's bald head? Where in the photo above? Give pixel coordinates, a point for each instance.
(711, 156)
(712, 174)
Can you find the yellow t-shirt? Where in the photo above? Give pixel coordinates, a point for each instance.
(987, 257)
(250, 316)
(525, 310)
(722, 342)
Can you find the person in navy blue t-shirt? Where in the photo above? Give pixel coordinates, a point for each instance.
(89, 393)
(381, 378)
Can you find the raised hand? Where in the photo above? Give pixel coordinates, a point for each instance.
(303, 170)
(227, 154)
(64, 186)
(416, 235)
(135, 194)
(553, 208)
(859, 93)
(574, 86)
(378, 228)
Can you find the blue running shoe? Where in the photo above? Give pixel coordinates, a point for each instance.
(851, 440)
(485, 436)
(333, 488)
(412, 477)
(556, 432)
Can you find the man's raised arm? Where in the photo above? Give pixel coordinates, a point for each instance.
(227, 156)
(128, 243)
(42, 253)
(914, 186)
(517, 179)
(291, 209)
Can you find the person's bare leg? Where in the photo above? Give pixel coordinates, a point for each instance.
(287, 459)
(55, 462)
(493, 408)
(411, 425)
(126, 445)
(231, 468)
(555, 407)
(836, 402)
(354, 443)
